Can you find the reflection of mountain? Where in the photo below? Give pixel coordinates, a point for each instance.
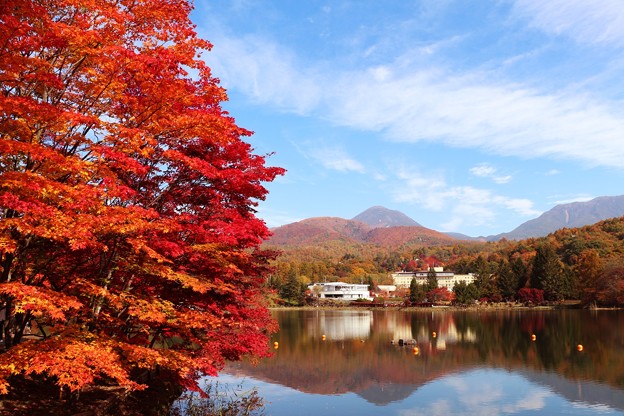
(383, 393)
(582, 391)
(381, 372)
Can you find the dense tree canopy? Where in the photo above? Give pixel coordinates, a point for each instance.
(128, 238)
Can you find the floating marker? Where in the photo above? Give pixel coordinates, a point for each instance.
(323, 337)
(579, 348)
(276, 345)
(434, 334)
(416, 351)
(533, 337)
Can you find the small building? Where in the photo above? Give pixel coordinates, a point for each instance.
(445, 279)
(340, 291)
(386, 290)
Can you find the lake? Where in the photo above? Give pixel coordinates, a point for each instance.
(502, 362)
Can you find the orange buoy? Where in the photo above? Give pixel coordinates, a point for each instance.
(416, 351)
(533, 337)
(579, 348)
(323, 337)
(434, 334)
(276, 345)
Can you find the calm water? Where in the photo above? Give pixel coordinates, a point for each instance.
(476, 363)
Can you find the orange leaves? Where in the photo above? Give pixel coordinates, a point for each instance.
(152, 311)
(39, 301)
(126, 196)
(73, 362)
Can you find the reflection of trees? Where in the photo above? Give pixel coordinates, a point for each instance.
(464, 340)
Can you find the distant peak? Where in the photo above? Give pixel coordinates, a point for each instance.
(379, 216)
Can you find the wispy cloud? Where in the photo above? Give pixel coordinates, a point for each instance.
(469, 110)
(472, 112)
(485, 170)
(336, 158)
(264, 71)
(599, 22)
(466, 205)
(568, 199)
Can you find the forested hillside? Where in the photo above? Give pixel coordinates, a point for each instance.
(584, 263)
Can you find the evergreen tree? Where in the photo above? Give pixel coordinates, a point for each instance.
(465, 293)
(508, 282)
(432, 280)
(547, 273)
(293, 291)
(519, 269)
(417, 292)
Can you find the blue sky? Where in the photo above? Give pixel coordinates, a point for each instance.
(468, 116)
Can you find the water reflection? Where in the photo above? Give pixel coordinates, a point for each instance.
(466, 362)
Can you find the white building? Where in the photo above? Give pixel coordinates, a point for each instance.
(340, 291)
(445, 279)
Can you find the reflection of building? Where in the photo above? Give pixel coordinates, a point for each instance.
(339, 325)
(341, 291)
(420, 327)
(445, 279)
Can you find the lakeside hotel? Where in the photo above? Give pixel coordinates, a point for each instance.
(445, 279)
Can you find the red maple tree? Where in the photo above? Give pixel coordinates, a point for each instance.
(128, 235)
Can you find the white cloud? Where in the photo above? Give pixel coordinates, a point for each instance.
(600, 22)
(568, 199)
(534, 400)
(467, 205)
(488, 397)
(412, 101)
(265, 72)
(472, 112)
(484, 170)
(336, 158)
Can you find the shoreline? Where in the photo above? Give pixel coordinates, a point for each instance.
(447, 308)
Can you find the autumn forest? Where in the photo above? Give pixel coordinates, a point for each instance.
(584, 264)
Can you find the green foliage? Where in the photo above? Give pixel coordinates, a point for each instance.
(432, 280)
(465, 294)
(508, 282)
(547, 272)
(417, 292)
(293, 290)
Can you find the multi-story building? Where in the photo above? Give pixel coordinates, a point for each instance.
(445, 279)
(340, 291)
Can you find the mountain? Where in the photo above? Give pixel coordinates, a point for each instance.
(385, 227)
(319, 230)
(573, 215)
(383, 217)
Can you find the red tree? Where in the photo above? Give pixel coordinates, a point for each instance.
(440, 294)
(128, 238)
(532, 296)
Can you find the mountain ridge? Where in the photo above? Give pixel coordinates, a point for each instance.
(570, 215)
(383, 226)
